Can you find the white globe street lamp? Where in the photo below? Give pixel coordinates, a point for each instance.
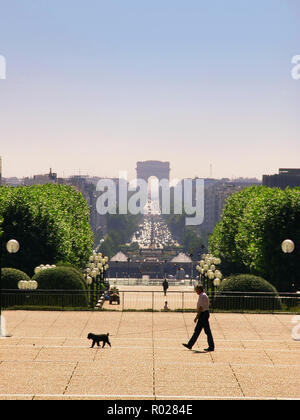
(27, 284)
(12, 247)
(288, 246)
(217, 282)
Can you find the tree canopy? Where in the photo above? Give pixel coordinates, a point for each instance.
(252, 228)
(51, 223)
(120, 228)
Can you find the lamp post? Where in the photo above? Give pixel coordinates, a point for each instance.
(207, 270)
(128, 262)
(288, 247)
(95, 275)
(191, 257)
(88, 280)
(12, 247)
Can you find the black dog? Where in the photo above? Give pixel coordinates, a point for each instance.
(98, 338)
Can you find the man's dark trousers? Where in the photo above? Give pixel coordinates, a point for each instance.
(203, 322)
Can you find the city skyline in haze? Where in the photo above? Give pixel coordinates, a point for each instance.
(92, 88)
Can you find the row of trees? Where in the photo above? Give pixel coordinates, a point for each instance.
(248, 238)
(51, 223)
(187, 236)
(120, 228)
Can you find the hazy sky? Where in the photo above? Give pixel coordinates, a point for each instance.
(94, 86)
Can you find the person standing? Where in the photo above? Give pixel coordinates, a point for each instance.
(202, 321)
(165, 286)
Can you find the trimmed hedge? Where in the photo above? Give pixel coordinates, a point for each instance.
(63, 278)
(246, 283)
(77, 272)
(11, 277)
(247, 292)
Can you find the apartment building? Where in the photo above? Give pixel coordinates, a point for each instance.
(285, 178)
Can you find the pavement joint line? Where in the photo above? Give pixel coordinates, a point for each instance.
(224, 349)
(192, 363)
(119, 323)
(280, 322)
(37, 355)
(152, 397)
(220, 327)
(144, 338)
(53, 322)
(153, 360)
(85, 325)
(252, 326)
(269, 365)
(236, 378)
(186, 327)
(269, 357)
(72, 374)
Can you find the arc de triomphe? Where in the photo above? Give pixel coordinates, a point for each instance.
(147, 169)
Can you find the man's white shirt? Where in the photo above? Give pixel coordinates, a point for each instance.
(203, 301)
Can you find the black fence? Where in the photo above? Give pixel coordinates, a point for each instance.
(47, 299)
(130, 300)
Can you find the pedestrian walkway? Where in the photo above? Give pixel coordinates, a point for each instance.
(49, 357)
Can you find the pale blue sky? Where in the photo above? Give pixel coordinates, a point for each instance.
(94, 86)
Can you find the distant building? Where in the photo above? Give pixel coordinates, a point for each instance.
(215, 196)
(285, 178)
(12, 181)
(50, 178)
(119, 257)
(216, 192)
(181, 258)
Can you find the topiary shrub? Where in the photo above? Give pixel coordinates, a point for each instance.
(66, 264)
(246, 283)
(11, 277)
(59, 278)
(77, 272)
(247, 292)
(67, 283)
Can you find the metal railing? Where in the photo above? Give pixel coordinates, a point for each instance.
(137, 300)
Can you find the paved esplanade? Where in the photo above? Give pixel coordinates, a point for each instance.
(48, 356)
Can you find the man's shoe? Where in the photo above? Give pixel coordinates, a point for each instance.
(208, 349)
(188, 347)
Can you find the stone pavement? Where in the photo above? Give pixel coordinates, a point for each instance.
(48, 357)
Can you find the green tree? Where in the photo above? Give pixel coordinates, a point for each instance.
(249, 236)
(120, 230)
(192, 243)
(51, 223)
(108, 247)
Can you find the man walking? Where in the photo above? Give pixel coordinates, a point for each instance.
(202, 320)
